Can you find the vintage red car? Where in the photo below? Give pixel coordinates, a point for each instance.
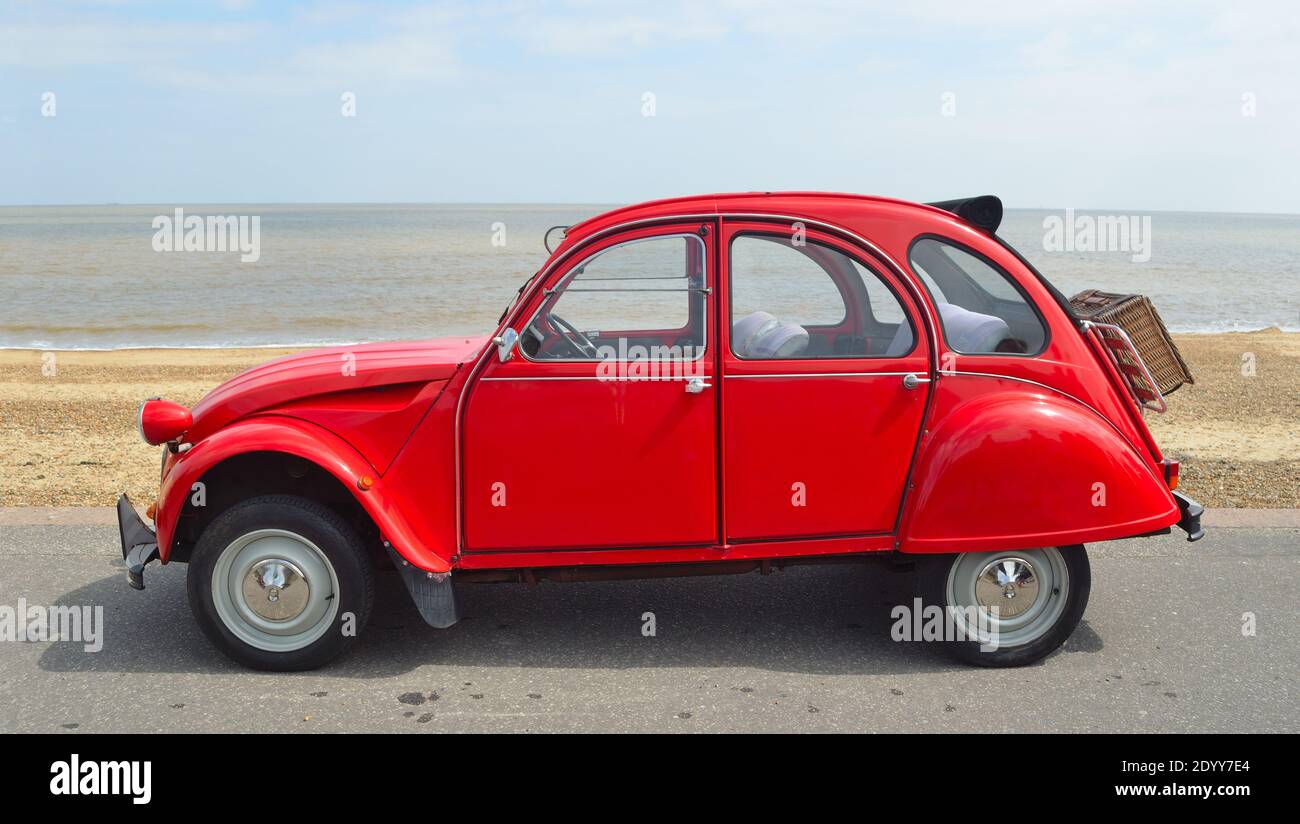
(707, 384)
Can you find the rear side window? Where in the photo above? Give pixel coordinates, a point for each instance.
(982, 310)
(806, 301)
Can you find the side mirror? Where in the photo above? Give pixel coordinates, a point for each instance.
(506, 343)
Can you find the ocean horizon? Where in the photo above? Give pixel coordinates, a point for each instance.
(92, 277)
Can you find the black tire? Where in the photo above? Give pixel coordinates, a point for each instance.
(322, 526)
(932, 587)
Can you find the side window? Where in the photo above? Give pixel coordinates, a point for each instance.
(792, 301)
(980, 306)
(634, 298)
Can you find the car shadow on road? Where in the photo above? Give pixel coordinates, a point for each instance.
(817, 620)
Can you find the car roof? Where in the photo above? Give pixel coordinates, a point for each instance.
(822, 205)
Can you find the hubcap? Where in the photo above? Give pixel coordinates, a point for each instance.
(1016, 597)
(275, 590)
(1009, 584)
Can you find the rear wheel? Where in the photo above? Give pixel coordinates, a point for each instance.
(1008, 608)
(280, 583)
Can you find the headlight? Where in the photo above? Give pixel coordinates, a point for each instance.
(162, 421)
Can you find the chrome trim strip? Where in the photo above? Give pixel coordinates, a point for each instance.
(673, 379)
(822, 375)
(1020, 380)
(1089, 325)
(619, 379)
(1050, 389)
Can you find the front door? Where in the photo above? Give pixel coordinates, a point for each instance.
(600, 432)
(826, 381)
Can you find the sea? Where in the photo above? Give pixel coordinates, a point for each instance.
(110, 276)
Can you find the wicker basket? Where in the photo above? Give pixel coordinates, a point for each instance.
(1136, 315)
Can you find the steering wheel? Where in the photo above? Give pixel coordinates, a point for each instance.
(573, 337)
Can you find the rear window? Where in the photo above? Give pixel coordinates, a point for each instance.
(981, 308)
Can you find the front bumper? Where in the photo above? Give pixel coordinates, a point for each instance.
(139, 544)
(1189, 519)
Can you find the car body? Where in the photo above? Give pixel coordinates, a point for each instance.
(752, 380)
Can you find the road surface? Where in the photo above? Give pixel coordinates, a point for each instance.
(1161, 649)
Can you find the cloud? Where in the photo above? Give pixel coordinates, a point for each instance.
(329, 13)
(403, 56)
(594, 36)
(414, 44)
(59, 45)
(1057, 99)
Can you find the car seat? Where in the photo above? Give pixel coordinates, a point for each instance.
(747, 329)
(784, 340)
(967, 331)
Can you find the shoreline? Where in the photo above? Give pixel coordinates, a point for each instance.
(69, 439)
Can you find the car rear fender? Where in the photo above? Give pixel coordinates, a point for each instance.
(291, 436)
(1010, 465)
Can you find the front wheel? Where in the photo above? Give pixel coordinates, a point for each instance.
(1007, 608)
(280, 583)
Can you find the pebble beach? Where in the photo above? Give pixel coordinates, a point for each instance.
(68, 437)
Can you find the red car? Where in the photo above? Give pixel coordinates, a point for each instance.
(709, 384)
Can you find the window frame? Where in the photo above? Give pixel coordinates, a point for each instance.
(996, 267)
(571, 274)
(730, 320)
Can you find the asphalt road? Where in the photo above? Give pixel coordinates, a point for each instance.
(1161, 649)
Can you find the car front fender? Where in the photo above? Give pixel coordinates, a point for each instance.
(1009, 466)
(291, 436)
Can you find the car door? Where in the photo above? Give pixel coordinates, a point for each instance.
(825, 386)
(601, 430)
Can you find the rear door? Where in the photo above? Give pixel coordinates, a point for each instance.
(825, 386)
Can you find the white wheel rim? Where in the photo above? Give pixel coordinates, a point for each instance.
(275, 590)
(979, 580)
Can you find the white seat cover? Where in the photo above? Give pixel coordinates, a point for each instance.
(785, 340)
(967, 331)
(971, 331)
(746, 330)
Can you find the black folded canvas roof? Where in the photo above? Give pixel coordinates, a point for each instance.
(984, 211)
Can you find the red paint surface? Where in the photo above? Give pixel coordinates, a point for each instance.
(1006, 452)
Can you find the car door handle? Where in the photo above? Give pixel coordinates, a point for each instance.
(697, 385)
(912, 380)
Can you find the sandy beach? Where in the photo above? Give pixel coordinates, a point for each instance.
(67, 419)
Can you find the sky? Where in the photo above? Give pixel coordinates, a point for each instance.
(1090, 104)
